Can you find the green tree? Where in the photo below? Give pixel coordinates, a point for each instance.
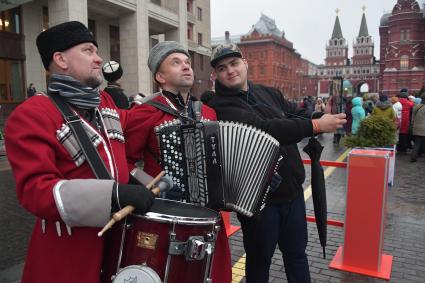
(374, 131)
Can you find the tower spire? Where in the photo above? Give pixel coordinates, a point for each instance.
(363, 26)
(337, 32)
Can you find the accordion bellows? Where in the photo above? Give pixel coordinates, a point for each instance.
(222, 165)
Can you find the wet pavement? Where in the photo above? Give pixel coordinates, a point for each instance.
(404, 229)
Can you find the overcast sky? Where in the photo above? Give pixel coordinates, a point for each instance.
(307, 23)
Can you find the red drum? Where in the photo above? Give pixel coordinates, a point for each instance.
(173, 243)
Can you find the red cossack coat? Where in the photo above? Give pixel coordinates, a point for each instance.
(142, 144)
(39, 161)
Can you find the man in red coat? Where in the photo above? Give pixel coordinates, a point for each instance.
(404, 139)
(170, 65)
(53, 178)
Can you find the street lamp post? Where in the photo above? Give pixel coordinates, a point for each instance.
(299, 74)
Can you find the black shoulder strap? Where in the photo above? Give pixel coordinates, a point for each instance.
(75, 124)
(197, 110)
(164, 108)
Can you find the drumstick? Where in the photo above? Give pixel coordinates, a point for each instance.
(117, 216)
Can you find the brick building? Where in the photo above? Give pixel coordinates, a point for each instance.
(361, 73)
(273, 60)
(402, 62)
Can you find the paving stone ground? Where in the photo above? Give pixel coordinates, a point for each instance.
(404, 229)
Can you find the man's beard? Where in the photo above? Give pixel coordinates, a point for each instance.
(93, 81)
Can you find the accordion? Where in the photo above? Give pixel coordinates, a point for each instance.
(221, 165)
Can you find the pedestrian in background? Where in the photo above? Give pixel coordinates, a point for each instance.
(112, 72)
(31, 91)
(369, 102)
(319, 106)
(348, 107)
(418, 130)
(397, 111)
(383, 108)
(358, 114)
(404, 135)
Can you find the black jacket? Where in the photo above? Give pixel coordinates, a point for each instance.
(117, 94)
(265, 108)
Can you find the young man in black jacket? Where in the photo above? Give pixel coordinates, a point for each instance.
(283, 220)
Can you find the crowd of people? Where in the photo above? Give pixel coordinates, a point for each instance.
(406, 111)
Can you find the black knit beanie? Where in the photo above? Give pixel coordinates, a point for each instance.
(60, 38)
(112, 71)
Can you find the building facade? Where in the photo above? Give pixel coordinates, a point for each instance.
(273, 60)
(124, 29)
(402, 62)
(361, 73)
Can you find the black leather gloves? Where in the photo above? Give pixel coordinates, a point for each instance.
(136, 195)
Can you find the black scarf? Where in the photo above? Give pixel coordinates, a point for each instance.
(74, 92)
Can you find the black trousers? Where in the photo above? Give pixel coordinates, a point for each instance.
(419, 147)
(283, 225)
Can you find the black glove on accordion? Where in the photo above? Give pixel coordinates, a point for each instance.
(136, 195)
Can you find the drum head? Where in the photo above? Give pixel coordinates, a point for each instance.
(164, 210)
(137, 273)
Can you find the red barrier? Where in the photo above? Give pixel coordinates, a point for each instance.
(367, 185)
(328, 163)
(230, 229)
(331, 222)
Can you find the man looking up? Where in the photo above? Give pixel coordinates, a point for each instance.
(170, 65)
(283, 220)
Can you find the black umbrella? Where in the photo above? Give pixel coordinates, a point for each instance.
(318, 188)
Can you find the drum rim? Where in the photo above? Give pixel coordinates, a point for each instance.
(142, 267)
(166, 218)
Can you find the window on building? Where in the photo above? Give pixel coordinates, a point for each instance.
(200, 38)
(190, 31)
(404, 35)
(10, 20)
(114, 41)
(199, 14)
(11, 81)
(404, 62)
(190, 6)
(92, 27)
(201, 62)
(45, 18)
(262, 70)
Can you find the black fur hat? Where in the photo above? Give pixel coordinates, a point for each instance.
(112, 71)
(60, 38)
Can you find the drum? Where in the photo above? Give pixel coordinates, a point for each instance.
(173, 243)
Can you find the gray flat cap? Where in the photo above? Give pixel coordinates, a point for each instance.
(160, 51)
